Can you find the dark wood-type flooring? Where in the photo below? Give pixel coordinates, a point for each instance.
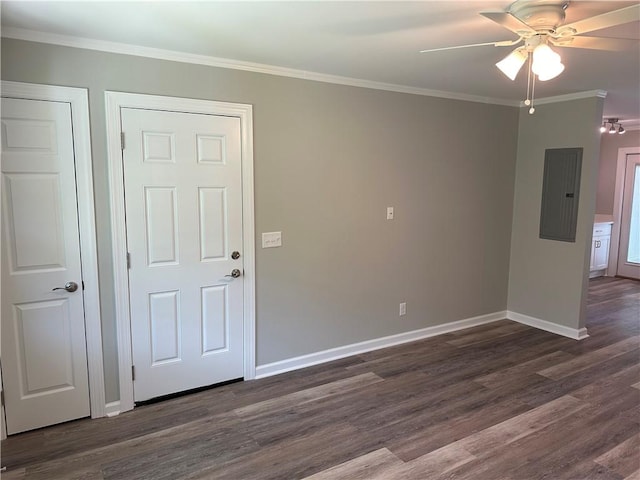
(495, 402)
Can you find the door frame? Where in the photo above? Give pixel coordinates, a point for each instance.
(78, 99)
(114, 101)
(618, 197)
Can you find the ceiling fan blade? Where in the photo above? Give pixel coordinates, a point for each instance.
(510, 22)
(503, 43)
(596, 43)
(605, 20)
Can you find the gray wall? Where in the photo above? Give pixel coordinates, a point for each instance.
(607, 167)
(548, 279)
(329, 159)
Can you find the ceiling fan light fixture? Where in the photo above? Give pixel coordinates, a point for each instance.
(543, 53)
(512, 63)
(550, 71)
(621, 130)
(612, 130)
(603, 128)
(546, 63)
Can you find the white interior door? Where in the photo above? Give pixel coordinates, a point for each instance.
(183, 207)
(629, 251)
(44, 359)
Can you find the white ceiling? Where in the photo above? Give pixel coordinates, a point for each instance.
(374, 41)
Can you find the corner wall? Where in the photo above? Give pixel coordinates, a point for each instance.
(548, 279)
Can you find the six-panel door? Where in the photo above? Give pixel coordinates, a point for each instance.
(183, 202)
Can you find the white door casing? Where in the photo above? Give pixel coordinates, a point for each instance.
(183, 200)
(630, 215)
(115, 102)
(47, 220)
(617, 207)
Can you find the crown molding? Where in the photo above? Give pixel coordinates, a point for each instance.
(570, 96)
(175, 56)
(630, 123)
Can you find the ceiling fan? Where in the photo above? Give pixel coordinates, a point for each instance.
(539, 25)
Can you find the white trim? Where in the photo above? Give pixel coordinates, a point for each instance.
(303, 361)
(78, 100)
(576, 334)
(174, 56)
(570, 96)
(229, 63)
(112, 409)
(114, 102)
(618, 195)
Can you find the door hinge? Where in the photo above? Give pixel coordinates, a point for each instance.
(128, 260)
(82, 284)
(2, 397)
(133, 373)
(121, 140)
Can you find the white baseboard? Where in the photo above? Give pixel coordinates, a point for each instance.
(316, 358)
(576, 334)
(112, 409)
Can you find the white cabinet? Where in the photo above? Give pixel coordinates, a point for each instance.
(600, 249)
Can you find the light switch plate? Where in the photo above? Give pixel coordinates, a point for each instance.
(389, 213)
(271, 239)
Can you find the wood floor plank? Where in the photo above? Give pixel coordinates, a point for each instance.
(308, 395)
(43, 445)
(17, 474)
(513, 373)
(432, 464)
(354, 407)
(555, 452)
(501, 435)
(508, 431)
(565, 449)
(487, 335)
(539, 395)
(246, 393)
(297, 458)
(604, 389)
(224, 433)
(377, 465)
(623, 458)
(450, 426)
(575, 365)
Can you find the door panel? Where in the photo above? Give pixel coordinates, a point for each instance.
(629, 251)
(43, 333)
(183, 203)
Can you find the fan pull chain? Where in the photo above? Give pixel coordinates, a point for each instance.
(533, 89)
(530, 87)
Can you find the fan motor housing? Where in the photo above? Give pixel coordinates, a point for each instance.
(541, 15)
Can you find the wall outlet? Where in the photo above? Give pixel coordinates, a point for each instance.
(403, 308)
(389, 213)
